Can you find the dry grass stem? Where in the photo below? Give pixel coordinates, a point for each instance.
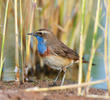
(93, 42)
(30, 30)
(106, 51)
(21, 30)
(98, 96)
(36, 89)
(3, 39)
(16, 44)
(81, 46)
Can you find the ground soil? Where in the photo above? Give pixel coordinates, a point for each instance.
(15, 91)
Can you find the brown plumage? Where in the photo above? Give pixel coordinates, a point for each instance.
(59, 47)
(54, 52)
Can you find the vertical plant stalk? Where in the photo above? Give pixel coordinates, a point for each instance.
(109, 32)
(17, 69)
(105, 50)
(3, 39)
(0, 15)
(21, 30)
(93, 42)
(30, 30)
(81, 46)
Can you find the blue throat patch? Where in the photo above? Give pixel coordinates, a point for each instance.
(41, 45)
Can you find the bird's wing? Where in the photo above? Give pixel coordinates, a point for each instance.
(62, 50)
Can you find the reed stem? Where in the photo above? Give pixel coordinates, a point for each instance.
(93, 42)
(3, 39)
(17, 69)
(106, 51)
(21, 30)
(109, 32)
(30, 30)
(81, 46)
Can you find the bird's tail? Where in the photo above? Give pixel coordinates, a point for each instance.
(84, 61)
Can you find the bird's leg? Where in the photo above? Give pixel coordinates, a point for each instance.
(57, 76)
(64, 70)
(63, 77)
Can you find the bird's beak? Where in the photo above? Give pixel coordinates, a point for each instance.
(29, 34)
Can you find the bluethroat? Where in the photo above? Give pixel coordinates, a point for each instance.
(55, 53)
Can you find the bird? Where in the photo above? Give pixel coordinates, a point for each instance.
(55, 53)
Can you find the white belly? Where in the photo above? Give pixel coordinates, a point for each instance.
(57, 62)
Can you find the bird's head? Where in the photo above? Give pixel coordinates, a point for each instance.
(42, 35)
(45, 38)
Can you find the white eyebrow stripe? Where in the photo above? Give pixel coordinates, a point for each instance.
(44, 32)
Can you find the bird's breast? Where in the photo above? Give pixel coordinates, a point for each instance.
(46, 53)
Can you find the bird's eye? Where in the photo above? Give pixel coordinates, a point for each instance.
(39, 33)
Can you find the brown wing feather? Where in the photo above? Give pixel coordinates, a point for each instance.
(69, 52)
(61, 49)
